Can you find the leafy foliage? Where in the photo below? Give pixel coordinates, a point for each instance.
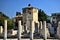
(4, 17)
(41, 15)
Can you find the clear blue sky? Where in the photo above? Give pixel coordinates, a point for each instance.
(10, 7)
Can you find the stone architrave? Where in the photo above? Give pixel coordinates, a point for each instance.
(58, 30)
(19, 30)
(5, 30)
(31, 29)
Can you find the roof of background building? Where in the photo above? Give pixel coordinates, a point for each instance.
(29, 6)
(54, 14)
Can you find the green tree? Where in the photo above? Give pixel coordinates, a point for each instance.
(10, 24)
(4, 17)
(42, 15)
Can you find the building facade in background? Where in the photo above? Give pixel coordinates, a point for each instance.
(29, 14)
(56, 17)
(16, 19)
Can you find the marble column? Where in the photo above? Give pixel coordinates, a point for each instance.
(1, 30)
(58, 30)
(31, 30)
(45, 35)
(5, 30)
(19, 30)
(40, 27)
(41, 24)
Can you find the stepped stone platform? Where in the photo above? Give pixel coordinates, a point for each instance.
(29, 39)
